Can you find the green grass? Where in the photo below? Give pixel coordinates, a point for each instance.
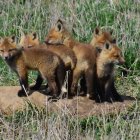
(81, 18)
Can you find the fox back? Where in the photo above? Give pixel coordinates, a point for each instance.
(66, 54)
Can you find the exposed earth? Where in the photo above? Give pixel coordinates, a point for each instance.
(10, 102)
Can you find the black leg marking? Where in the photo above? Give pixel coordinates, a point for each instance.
(38, 83)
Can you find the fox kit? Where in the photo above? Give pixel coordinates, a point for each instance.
(109, 56)
(66, 54)
(20, 60)
(86, 57)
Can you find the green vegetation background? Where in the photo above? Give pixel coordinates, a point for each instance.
(81, 17)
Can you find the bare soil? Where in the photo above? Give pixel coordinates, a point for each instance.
(10, 102)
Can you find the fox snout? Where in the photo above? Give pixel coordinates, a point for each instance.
(46, 41)
(122, 61)
(6, 56)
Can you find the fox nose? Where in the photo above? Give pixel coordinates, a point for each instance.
(122, 61)
(46, 41)
(6, 58)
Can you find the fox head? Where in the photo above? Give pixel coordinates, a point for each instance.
(58, 34)
(8, 47)
(29, 40)
(111, 54)
(100, 38)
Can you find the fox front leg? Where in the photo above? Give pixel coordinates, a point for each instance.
(116, 95)
(23, 79)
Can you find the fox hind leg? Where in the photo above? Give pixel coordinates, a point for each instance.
(89, 83)
(60, 76)
(38, 83)
(83, 87)
(76, 77)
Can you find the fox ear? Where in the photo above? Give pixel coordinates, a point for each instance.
(59, 25)
(111, 32)
(13, 38)
(113, 41)
(96, 31)
(34, 34)
(60, 21)
(1, 39)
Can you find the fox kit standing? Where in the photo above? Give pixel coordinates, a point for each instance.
(86, 57)
(20, 60)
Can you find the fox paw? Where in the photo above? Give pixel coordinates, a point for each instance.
(22, 93)
(119, 99)
(34, 87)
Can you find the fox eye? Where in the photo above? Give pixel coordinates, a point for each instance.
(30, 46)
(116, 55)
(107, 46)
(11, 50)
(1, 50)
(50, 36)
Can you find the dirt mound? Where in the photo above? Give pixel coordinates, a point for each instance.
(10, 102)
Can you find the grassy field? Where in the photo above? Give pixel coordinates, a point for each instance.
(81, 17)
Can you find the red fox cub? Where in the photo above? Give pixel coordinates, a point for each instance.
(46, 62)
(108, 56)
(101, 37)
(66, 54)
(86, 57)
